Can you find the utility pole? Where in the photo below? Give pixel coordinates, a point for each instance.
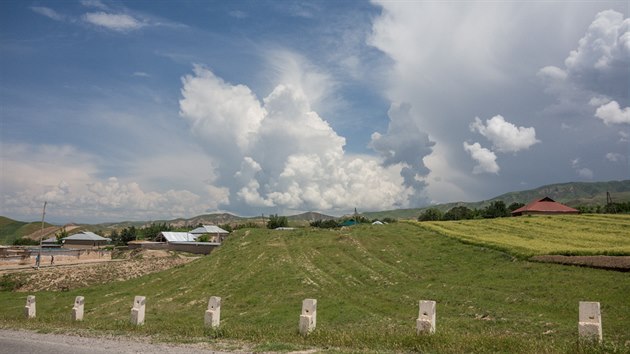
(41, 237)
(608, 198)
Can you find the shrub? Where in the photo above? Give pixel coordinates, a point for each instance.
(431, 214)
(276, 221)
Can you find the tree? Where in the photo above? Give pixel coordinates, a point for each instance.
(152, 231)
(61, 234)
(431, 214)
(114, 236)
(515, 206)
(127, 234)
(496, 209)
(459, 213)
(276, 221)
(226, 227)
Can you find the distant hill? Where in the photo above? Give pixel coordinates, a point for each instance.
(10, 230)
(310, 216)
(207, 219)
(573, 194)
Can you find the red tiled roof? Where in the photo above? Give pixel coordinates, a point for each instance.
(545, 205)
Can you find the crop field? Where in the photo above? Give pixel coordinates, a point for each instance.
(367, 280)
(592, 234)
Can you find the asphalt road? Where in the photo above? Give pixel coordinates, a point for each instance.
(26, 342)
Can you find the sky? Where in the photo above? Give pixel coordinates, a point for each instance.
(150, 110)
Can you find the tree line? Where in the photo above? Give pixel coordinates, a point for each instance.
(496, 209)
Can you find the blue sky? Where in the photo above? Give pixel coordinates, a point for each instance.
(143, 110)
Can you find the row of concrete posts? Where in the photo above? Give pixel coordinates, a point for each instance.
(589, 323)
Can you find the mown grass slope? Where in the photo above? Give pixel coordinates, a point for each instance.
(591, 234)
(367, 281)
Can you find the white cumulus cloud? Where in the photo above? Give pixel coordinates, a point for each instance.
(116, 22)
(611, 113)
(278, 153)
(486, 159)
(505, 136)
(68, 180)
(48, 12)
(598, 67)
(615, 157)
(581, 171)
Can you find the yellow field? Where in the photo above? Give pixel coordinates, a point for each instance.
(590, 234)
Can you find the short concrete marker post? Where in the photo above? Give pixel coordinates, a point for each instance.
(212, 317)
(590, 321)
(426, 318)
(30, 308)
(77, 309)
(137, 312)
(308, 318)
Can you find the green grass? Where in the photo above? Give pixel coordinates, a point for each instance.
(367, 281)
(10, 229)
(591, 234)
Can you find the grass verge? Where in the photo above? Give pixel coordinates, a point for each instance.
(368, 281)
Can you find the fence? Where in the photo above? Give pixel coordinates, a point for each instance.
(52, 256)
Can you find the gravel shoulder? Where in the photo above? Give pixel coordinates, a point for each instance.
(16, 342)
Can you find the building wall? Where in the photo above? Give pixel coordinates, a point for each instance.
(84, 244)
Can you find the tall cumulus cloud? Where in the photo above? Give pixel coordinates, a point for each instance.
(278, 153)
(597, 70)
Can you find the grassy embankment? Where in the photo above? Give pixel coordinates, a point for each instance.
(367, 281)
(591, 234)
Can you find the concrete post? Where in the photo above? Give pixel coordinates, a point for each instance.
(77, 309)
(137, 312)
(30, 308)
(308, 318)
(590, 321)
(212, 317)
(426, 317)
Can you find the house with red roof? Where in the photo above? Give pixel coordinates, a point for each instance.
(544, 206)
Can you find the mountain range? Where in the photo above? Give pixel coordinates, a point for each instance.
(573, 194)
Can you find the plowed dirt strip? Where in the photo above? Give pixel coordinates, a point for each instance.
(620, 263)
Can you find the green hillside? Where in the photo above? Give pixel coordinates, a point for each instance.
(10, 229)
(367, 280)
(573, 194)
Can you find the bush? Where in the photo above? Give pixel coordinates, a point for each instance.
(9, 282)
(431, 214)
(247, 225)
(496, 209)
(459, 213)
(25, 242)
(226, 227)
(276, 221)
(324, 224)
